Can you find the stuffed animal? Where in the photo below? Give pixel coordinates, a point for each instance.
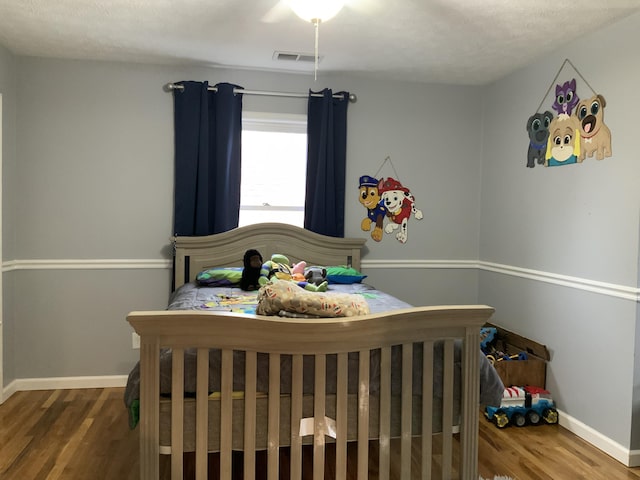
(279, 267)
(316, 275)
(251, 271)
(297, 272)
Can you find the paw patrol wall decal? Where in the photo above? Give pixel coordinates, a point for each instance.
(577, 132)
(370, 199)
(400, 205)
(386, 199)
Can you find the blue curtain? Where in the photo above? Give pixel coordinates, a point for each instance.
(208, 128)
(326, 163)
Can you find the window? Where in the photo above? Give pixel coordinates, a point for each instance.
(274, 166)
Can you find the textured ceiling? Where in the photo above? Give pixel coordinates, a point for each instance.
(446, 41)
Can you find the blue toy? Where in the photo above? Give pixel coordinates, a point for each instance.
(487, 335)
(522, 406)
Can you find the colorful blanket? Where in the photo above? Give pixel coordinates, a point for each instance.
(245, 302)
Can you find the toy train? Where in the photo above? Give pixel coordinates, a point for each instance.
(522, 406)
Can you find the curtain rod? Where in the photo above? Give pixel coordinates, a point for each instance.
(352, 96)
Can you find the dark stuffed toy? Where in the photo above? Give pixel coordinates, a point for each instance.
(251, 270)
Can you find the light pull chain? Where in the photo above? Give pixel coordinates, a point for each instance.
(316, 24)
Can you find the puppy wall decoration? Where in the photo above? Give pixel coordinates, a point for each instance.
(595, 135)
(538, 130)
(563, 146)
(566, 97)
(576, 131)
(400, 205)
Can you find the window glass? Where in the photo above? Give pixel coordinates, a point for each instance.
(274, 165)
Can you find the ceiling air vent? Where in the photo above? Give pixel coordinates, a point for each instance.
(295, 57)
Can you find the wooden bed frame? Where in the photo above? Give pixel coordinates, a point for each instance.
(276, 336)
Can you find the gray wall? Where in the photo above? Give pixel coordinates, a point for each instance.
(94, 181)
(576, 221)
(8, 77)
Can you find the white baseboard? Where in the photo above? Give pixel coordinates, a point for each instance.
(63, 383)
(7, 391)
(634, 458)
(629, 458)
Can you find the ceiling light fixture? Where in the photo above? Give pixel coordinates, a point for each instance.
(316, 11)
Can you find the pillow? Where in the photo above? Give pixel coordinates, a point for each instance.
(344, 274)
(219, 277)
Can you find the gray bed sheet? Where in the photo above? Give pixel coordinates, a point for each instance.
(193, 297)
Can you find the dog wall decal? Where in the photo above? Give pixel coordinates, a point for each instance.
(566, 97)
(577, 132)
(369, 197)
(563, 146)
(595, 135)
(538, 131)
(400, 205)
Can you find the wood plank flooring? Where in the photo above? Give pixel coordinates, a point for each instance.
(67, 434)
(84, 434)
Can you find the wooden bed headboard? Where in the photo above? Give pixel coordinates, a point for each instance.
(194, 254)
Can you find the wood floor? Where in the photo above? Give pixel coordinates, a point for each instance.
(84, 434)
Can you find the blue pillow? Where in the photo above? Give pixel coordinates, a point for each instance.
(343, 274)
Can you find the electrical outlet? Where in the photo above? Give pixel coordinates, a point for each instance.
(135, 340)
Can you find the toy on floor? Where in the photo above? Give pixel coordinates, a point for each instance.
(522, 406)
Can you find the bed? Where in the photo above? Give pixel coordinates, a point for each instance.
(224, 380)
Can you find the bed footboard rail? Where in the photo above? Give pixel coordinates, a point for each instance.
(394, 357)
